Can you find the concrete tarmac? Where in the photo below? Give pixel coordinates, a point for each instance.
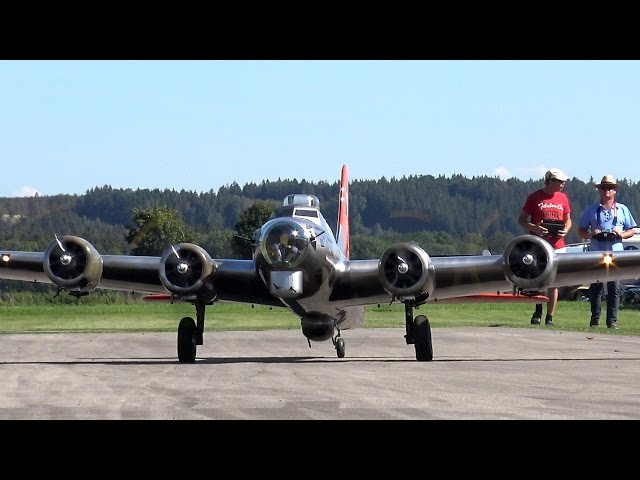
(477, 373)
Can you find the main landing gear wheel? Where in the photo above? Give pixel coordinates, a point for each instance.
(340, 349)
(422, 337)
(186, 340)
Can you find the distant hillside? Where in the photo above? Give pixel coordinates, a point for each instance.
(482, 208)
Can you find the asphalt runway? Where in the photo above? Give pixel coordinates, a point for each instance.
(477, 373)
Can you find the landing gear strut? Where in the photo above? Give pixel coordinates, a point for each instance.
(418, 333)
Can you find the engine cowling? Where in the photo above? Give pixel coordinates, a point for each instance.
(405, 271)
(73, 264)
(529, 262)
(185, 269)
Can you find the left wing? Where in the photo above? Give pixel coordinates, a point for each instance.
(528, 266)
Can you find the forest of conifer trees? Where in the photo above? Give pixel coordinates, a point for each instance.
(446, 215)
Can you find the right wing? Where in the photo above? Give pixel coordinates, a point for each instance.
(528, 266)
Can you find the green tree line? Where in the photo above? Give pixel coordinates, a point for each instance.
(445, 215)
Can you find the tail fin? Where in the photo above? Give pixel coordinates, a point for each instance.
(342, 231)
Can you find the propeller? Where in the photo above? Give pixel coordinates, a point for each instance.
(405, 270)
(68, 260)
(73, 264)
(527, 260)
(183, 270)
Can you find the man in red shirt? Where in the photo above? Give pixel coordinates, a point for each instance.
(547, 213)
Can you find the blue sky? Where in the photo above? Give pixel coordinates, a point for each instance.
(68, 126)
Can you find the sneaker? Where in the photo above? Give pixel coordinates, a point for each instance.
(613, 325)
(548, 323)
(594, 324)
(535, 320)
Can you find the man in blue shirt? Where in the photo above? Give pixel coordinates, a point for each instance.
(606, 223)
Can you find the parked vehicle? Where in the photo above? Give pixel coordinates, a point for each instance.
(631, 295)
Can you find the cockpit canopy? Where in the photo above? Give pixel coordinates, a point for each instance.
(301, 199)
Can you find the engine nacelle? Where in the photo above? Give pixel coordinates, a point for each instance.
(73, 264)
(405, 271)
(185, 269)
(529, 262)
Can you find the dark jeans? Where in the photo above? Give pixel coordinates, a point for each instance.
(613, 301)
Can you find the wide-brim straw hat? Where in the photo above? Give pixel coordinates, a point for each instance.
(608, 180)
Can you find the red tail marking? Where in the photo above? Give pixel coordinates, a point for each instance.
(342, 233)
(495, 298)
(157, 297)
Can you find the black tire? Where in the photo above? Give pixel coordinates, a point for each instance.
(340, 348)
(422, 337)
(581, 295)
(186, 340)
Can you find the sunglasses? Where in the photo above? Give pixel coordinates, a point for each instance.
(604, 188)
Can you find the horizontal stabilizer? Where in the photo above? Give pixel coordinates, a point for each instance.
(496, 298)
(158, 297)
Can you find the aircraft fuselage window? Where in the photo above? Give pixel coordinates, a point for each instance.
(306, 213)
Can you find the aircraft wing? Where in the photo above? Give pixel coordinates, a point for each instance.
(405, 271)
(528, 266)
(108, 271)
(234, 280)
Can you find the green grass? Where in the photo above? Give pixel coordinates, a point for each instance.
(152, 317)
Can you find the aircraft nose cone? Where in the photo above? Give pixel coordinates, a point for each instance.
(284, 244)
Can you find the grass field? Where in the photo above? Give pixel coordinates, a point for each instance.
(152, 317)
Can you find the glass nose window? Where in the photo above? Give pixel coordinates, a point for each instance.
(284, 244)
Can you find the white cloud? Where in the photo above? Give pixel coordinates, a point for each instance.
(533, 172)
(541, 170)
(27, 191)
(503, 172)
